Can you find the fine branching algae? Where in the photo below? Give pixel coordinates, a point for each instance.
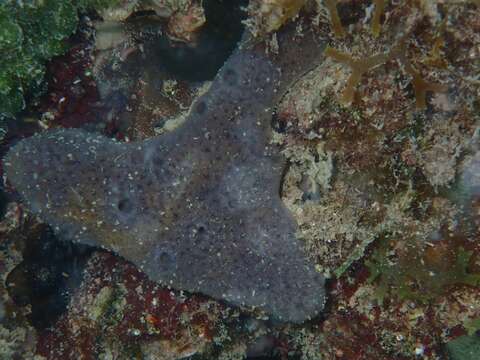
(197, 208)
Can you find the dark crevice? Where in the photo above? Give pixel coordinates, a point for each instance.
(45, 279)
(216, 41)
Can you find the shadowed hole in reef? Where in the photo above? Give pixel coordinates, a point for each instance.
(216, 41)
(3, 203)
(50, 271)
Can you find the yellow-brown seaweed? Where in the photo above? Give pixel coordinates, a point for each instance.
(420, 86)
(358, 66)
(337, 27)
(377, 16)
(362, 66)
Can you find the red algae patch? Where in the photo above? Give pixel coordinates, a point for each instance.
(117, 304)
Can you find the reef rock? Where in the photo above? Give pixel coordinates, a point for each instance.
(197, 208)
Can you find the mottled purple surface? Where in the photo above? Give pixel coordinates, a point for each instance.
(197, 208)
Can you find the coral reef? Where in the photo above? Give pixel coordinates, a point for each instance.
(401, 129)
(381, 138)
(386, 118)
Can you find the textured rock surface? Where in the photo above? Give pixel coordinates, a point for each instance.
(197, 208)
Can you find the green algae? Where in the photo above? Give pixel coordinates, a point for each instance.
(472, 326)
(464, 348)
(413, 277)
(31, 33)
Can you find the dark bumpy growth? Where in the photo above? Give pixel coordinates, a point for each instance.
(197, 208)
